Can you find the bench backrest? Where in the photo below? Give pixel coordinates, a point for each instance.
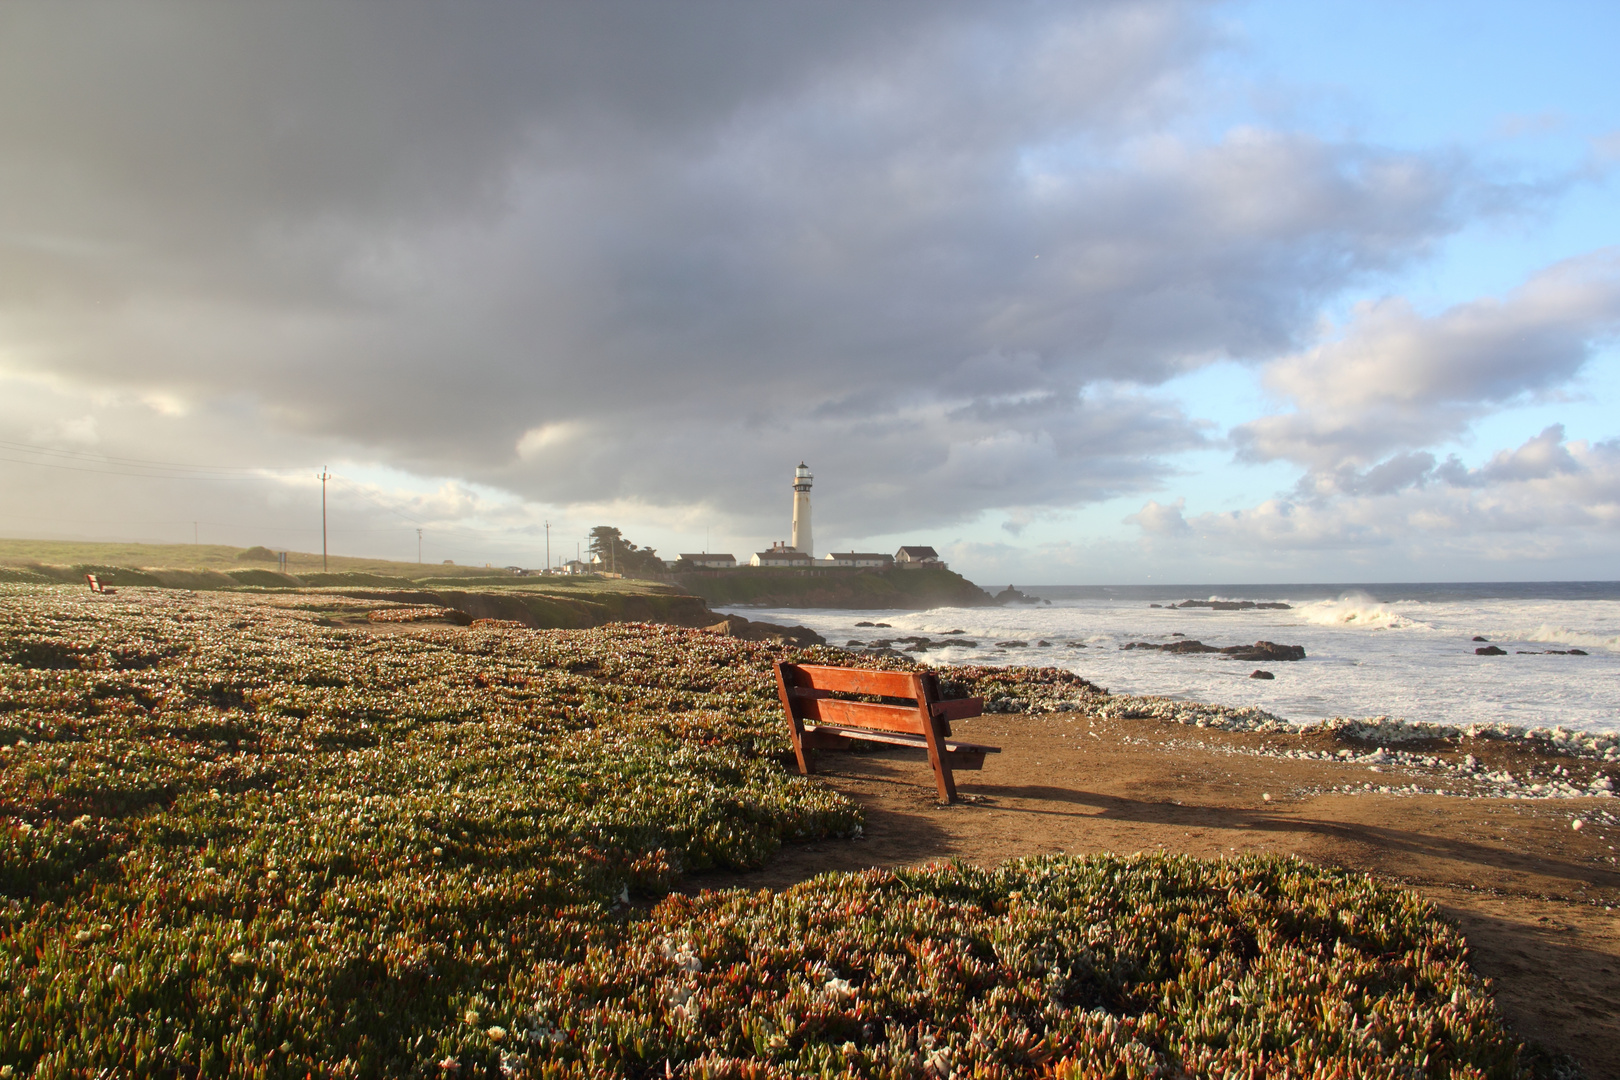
(808, 691)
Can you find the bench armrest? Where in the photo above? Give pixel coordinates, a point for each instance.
(957, 708)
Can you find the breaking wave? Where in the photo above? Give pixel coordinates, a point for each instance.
(1358, 609)
(1562, 635)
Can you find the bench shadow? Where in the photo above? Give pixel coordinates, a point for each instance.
(1428, 845)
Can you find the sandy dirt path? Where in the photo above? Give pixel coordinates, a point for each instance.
(1538, 901)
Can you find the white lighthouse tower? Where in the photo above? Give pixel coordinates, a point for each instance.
(801, 510)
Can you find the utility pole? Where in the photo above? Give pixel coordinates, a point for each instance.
(418, 545)
(325, 476)
(548, 547)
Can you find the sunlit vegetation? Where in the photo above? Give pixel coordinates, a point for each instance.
(237, 842)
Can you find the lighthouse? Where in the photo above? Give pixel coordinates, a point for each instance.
(801, 509)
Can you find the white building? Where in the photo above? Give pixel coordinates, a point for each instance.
(710, 562)
(916, 556)
(856, 558)
(782, 555)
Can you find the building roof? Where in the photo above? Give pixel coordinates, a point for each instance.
(917, 552)
(707, 556)
(783, 553)
(857, 555)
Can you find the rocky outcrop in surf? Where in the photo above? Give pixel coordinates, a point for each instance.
(1231, 605)
(1259, 651)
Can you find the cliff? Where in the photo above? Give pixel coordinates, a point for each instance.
(891, 589)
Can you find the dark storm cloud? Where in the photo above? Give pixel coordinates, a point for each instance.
(660, 252)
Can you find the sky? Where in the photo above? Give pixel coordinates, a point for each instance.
(1077, 293)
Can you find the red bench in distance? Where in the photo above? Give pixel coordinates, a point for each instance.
(96, 586)
(820, 720)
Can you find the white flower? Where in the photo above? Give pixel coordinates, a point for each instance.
(471, 1017)
(83, 935)
(839, 989)
(496, 1033)
(118, 972)
(240, 956)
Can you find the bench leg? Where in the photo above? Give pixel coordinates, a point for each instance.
(935, 730)
(940, 761)
(795, 726)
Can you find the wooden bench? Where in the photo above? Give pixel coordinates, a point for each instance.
(97, 587)
(820, 720)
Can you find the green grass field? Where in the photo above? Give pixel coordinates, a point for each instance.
(207, 557)
(236, 840)
(552, 601)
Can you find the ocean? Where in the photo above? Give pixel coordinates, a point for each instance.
(1401, 650)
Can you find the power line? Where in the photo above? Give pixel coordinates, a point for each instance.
(92, 462)
(324, 478)
(366, 493)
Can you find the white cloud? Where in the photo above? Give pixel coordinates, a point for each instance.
(1156, 519)
(1547, 499)
(68, 431)
(1398, 381)
(545, 438)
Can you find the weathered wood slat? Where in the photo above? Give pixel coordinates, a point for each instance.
(971, 760)
(898, 684)
(958, 708)
(860, 714)
(918, 742)
(825, 739)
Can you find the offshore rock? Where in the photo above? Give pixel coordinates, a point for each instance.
(1266, 650)
(1490, 650)
(1260, 650)
(738, 627)
(1234, 605)
(1010, 595)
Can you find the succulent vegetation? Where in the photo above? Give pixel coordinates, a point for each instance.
(235, 841)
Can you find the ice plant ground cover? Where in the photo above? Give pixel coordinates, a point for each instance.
(235, 841)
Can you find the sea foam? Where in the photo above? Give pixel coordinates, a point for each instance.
(1359, 610)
